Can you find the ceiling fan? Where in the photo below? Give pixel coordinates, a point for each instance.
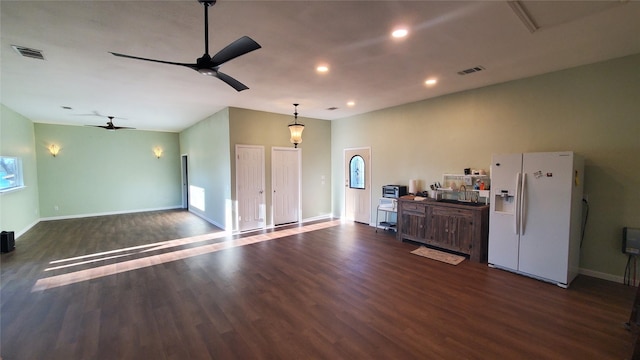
(110, 125)
(208, 65)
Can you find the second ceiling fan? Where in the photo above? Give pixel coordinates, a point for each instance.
(109, 125)
(208, 65)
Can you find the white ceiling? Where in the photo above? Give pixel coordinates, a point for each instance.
(352, 37)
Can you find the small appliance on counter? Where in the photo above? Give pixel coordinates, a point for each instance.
(394, 191)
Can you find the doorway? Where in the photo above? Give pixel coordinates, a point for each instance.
(185, 182)
(357, 193)
(250, 186)
(285, 183)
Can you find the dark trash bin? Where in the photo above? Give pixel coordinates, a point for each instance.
(7, 241)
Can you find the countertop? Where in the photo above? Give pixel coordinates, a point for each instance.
(445, 202)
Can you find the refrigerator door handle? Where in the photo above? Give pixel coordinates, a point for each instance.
(523, 204)
(516, 218)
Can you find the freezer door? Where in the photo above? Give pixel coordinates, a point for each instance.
(546, 215)
(503, 220)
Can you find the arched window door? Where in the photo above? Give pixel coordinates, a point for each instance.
(356, 172)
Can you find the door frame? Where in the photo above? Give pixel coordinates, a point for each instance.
(368, 174)
(262, 186)
(299, 180)
(184, 163)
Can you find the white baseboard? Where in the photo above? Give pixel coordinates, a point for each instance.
(21, 232)
(78, 216)
(271, 226)
(319, 217)
(64, 217)
(601, 275)
(203, 217)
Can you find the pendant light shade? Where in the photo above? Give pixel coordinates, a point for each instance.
(296, 128)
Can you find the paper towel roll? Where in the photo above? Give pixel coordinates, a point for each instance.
(413, 186)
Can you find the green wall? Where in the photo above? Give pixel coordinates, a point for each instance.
(206, 145)
(592, 110)
(103, 172)
(210, 147)
(249, 127)
(19, 208)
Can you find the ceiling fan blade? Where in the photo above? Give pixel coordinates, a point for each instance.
(237, 48)
(111, 127)
(192, 66)
(231, 81)
(206, 64)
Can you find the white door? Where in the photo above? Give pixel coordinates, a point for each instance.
(285, 181)
(504, 225)
(546, 215)
(250, 187)
(357, 193)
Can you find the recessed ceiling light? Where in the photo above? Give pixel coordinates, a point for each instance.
(322, 69)
(400, 33)
(351, 103)
(431, 82)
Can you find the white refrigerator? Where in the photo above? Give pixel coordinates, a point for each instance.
(535, 215)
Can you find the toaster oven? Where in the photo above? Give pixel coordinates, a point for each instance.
(393, 191)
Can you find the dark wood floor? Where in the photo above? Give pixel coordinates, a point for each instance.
(116, 287)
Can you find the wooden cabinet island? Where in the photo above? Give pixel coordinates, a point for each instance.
(459, 227)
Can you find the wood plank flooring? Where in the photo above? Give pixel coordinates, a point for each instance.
(150, 286)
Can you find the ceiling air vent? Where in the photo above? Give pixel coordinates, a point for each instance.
(27, 52)
(332, 108)
(471, 70)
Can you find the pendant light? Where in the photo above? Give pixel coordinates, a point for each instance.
(295, 128)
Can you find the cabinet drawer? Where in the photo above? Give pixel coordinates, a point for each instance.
(447, 211)
(414, 208)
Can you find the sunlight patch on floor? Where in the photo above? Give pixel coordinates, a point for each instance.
(111, 269)
(131, 250)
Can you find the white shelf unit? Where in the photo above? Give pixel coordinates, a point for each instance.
(451, 184)
(389, 207)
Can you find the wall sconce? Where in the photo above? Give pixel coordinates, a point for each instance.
(295, 128)
(54, 149)
(157, 151)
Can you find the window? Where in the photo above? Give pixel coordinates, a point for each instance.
(356, 172)
(10, 173)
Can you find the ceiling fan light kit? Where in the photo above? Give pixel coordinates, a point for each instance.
(208, 65)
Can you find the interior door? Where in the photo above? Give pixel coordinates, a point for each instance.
(285, 181)
(250, 187)
(357, 194)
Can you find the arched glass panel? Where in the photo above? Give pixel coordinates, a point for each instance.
(356, 172)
